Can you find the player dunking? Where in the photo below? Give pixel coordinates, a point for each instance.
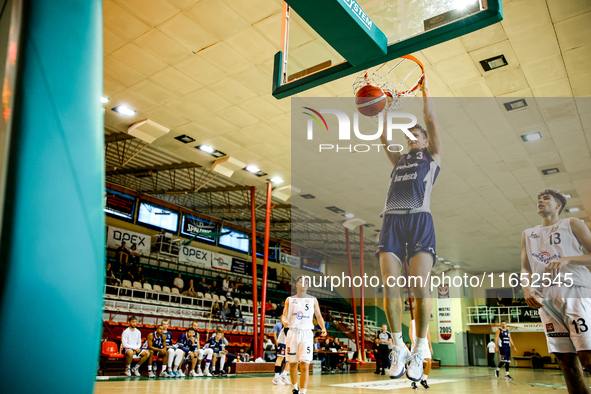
(503, 344)
(408, 233)
(556, 249)
(297, 316)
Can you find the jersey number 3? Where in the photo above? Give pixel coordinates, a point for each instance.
(555, 239)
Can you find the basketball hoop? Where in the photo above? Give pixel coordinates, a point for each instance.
(408, 70)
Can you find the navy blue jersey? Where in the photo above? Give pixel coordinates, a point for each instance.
(504, 339)
(157, 342)
(184, 343)
(215, 345)
(411, 182)
(168, 338)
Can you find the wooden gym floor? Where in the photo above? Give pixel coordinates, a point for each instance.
(469, 380)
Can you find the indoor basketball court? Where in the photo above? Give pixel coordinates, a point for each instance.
(248, 160)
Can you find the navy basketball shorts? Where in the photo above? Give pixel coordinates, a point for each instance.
(281, 350)
(406, 235)
(505, 354)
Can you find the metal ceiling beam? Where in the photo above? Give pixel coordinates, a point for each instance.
(164, 167)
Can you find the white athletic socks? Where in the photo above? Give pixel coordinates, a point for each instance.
(277, 374)
(398, 341)
(163, 367)
(303, 391)
(421, 342)
(149, 367)
(425, 377)
(507, 373)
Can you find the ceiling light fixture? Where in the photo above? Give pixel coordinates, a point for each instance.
(457, 266)
(517, 104)
(104, 100)
(575, 209)
(568, 196)
(440, 258)
(254, 170)
(276, 180)
(185, 139)
(211, 151)
(493, 63)
(123, 110)
(531, 137)
(349, 215)
(550, 171)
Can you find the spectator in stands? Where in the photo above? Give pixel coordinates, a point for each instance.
(238, 286)
(226, 283)
(110, 277)
(236, 314)
(230, 290)
(202, 286)
(131, 340)
(216, 310)
(215, 287)
(122, 253)
(134, 256)
(280, 308)
(190, 292)
(197, 354)
(225, 311)
(178, 283)
(139, 275)
(268, 307)
(155, 344)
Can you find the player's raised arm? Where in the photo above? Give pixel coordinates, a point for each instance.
(529, 294)
(392, 156)
(319, 317)
(284, 319)
(430, 117)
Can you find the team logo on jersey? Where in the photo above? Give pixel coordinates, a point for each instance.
(545, 257)
(549, 327)
(534, 235)
(554, 228)
(418, 245)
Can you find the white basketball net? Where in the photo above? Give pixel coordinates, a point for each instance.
(405, 70)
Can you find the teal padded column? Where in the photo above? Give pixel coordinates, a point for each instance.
(345, 26)
(53, 245)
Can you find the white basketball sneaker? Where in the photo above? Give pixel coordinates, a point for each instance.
(415, 365)
(278, 381)
(286, 379)
(192, 374)
(199, 372)
(207, 373)
(399, 357)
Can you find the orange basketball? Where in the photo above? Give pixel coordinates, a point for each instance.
(370, 100)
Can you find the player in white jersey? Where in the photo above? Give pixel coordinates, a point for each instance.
(553, 260)
(297, 316)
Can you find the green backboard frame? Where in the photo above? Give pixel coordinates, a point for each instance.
(491, 14)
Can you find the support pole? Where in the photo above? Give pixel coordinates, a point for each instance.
(265, 267)
(253, 226)
(353, 295)
(362, 296)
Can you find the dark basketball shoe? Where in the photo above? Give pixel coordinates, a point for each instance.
(413, 385)
(424, 384)
(508, 377)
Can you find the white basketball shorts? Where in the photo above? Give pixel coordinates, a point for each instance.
(300, 346)
(566, 318)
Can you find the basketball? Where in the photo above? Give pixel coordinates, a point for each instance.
(370, 100)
